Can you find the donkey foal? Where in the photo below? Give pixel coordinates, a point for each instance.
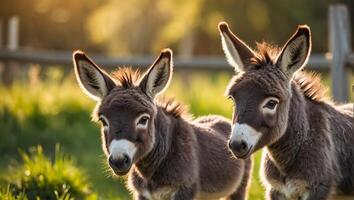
(167, 155)
(308, 140)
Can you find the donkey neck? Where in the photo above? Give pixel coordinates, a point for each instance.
(164, 127)
(285, 150)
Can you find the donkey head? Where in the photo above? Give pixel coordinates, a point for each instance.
(125, 107)
(261, 89)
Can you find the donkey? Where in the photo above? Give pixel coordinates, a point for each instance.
(166, 154)
(308, 140)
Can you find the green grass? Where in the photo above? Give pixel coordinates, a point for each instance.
(54, 110)
(38, 176)
(7, 194)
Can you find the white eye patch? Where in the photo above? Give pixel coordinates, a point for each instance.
(269, 105)
(105, 123)
(119, 148)
(142, 121)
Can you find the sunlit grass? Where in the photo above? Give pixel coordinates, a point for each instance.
(40, 177)
(7, 194)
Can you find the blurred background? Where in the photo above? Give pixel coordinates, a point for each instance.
(48, 145)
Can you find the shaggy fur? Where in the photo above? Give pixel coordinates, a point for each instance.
(309, 141)
(176, 157)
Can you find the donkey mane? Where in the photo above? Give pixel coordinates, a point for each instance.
(173, 107)
(311, 86)
(265, 54)
(308, 82)
(127, 78)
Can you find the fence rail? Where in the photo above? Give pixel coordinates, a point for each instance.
(339, 61)
(317, 62)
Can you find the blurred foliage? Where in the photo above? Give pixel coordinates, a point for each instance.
(122, 27)
(46, 112)
(40, 177)
(7, 194)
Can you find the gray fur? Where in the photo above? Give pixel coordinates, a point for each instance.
(177, 157)
(309, 142)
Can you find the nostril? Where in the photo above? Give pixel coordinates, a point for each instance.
(110, 160)
(230, 145)
(243, 145)
(126, 160)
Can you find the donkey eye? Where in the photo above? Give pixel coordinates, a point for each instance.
(103, 121)
(230, 97)
(143, 120)
(271, 104)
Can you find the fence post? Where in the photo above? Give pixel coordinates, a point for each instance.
(12, 44)
(185, 50)
(1, 46)
(1, 34)
(339, 47)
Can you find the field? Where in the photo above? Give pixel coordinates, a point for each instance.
(52, 110)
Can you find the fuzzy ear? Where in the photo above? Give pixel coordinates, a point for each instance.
(157, 78)
(94, 81)
(238, 54)
(296, 51)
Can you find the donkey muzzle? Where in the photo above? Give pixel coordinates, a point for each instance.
(240, 148)
(243, 139)
(121, 165)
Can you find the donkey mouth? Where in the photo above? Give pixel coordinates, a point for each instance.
(244, 155)
(119, 172)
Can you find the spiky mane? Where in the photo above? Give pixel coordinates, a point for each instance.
(310, 84)
(126, 77)
(265, 54)
(172, 107)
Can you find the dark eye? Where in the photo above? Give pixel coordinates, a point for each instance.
(230, 97)
(271, 104)
(143, 121)
(103, 121)
(233, 100)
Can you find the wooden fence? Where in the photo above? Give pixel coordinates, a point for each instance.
(339, 60)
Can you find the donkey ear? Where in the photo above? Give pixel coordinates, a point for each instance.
(238, 54)
(157, 78)
(296, 51)
(95, 82)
